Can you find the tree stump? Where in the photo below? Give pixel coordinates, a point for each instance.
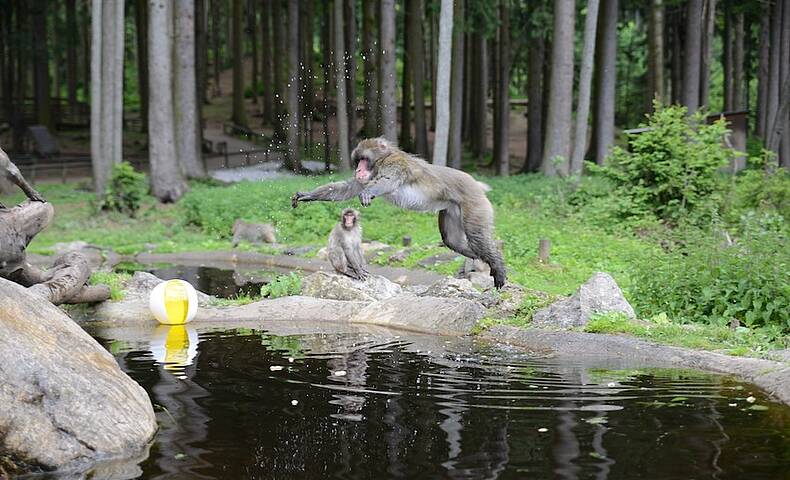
(66, 281)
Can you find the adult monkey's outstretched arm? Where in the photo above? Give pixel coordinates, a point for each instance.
(331, 192)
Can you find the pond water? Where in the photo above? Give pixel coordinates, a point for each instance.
(244, 403)
(219, 282)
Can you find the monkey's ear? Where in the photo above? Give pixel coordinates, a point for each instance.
(382, 142)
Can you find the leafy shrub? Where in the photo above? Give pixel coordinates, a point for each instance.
(283, 286)
(126, 190)
(760, 190)
(708, 280)
(671, 169)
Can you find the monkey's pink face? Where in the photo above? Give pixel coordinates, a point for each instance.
(349, 219)
(363, 172)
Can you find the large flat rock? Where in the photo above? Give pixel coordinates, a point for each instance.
(64, 402)
(446, 316)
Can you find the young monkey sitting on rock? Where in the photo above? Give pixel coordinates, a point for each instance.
(345, 246)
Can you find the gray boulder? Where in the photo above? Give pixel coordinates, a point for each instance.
(459, 288)
(444, 316)
(599, 294)
(64, 402)
(340, 287)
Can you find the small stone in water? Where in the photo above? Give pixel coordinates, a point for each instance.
(291, 359)
(543, 430)
(733, 404)
(339, 373)
(611, 384)
(275, 368)
(751, 399)
(294, 402)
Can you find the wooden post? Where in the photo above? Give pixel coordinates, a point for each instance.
(544, 250)
(406, 241)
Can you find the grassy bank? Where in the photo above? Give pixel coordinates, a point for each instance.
(663, 271)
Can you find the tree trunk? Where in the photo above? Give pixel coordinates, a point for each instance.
(292, 154)
(239, 116)
(655, 57)
(709, 19)
(480, 89)
(201, 55)
(405, 109)
(167, 182)
(762, 74)
(692, 60)
(415, 42)
(344, 159)
(141, 21)
(537, 56)
(41, 80)
(216, 29)
(728, 42)
(558, 122)
(387, 74)
(738, 100)
(187, 122)
(783, 110)
(442, 100)
(585, 84)
(308, 80)
(369, 61)
(457, 88)
(266, 62)
(106, 90)
(676, 73)
(502, 98)
(71, 52)
(252, 31)
(605, 79)
(326, 68)
(350, 39)
(279, 46)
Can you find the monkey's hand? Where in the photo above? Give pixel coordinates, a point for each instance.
(295, 199)
(365, 197)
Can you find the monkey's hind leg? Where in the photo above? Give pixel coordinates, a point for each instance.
(452, 229)
(479, 233)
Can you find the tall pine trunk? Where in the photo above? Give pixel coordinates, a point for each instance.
(709, 19)
(239, 116)
(655, 53)
(762, 74)
(106, 92)
(266, 62)
(387, 74)
(605, 79)
(738, 58)
(480, 96)
(326, 70)
(502, 98)
(252, 31)
(278, 65)
(350, 38)
(187, 121)
(167, 181)
(537, 57)
(71, 52)
(692, 60)
(558, 122)
(415, 42)
(216, 29)
(369, 61)
(141, 21)
(344, 159)
(405, 140)
(456, 89)
(308, 67)
(585, 85)
(292, 161)
(442, 100)
(41, 80)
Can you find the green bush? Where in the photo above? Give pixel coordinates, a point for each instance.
(670, 170)
(707, 279)
(283, 286)
(126, 190)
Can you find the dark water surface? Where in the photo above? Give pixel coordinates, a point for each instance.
(244, 404)
(219, 282)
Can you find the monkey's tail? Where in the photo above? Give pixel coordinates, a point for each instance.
(484, 186)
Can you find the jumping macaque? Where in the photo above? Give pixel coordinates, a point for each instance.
(252, 232)
(345, 246)
(11, 172)
(466, 217)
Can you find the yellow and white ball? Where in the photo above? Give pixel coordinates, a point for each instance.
(173, 302)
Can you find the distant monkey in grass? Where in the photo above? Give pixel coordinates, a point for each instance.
(252, 232)
(466, 217)
(345, 246)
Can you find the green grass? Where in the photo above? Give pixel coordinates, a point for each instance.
(740, 341)
(114, 280)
